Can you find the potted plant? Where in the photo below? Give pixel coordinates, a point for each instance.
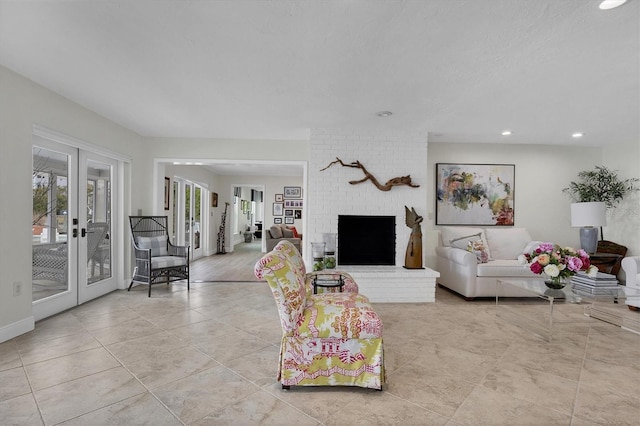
(596, 191)
(600, 185)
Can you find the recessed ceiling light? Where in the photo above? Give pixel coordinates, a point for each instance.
(506, 132)
(384, 113)
(610, 4)
(577, 135)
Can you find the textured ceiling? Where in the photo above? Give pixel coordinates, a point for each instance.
(463, 70)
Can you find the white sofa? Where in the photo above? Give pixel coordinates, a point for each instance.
(461, 271)
(631, 267)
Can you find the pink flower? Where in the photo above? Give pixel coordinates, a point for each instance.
(545, 247)
(574, 263)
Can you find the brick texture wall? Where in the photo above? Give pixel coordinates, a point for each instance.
(385, 156)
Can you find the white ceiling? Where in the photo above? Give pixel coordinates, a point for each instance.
(462, 70)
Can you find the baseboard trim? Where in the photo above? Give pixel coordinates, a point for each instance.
(17, 328)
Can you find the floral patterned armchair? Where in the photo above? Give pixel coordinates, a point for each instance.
(289, 250)
(329, 339)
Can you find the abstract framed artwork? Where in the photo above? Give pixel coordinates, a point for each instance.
(277, 209)
(288, 220)
(277, 220)
(279, 198)
(214, 199)
(475, 194)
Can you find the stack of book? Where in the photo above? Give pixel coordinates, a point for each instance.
(601, 284)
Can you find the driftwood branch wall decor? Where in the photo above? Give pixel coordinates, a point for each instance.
(396, 181)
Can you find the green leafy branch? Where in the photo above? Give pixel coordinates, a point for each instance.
(601, 185)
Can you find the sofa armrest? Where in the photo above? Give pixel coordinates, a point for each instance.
(456, 255)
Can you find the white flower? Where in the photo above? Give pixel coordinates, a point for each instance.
(522, 259)
(552, 270)
(592, 271)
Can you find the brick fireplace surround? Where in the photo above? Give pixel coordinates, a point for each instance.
(329, 195)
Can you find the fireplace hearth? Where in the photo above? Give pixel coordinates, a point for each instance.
(366, 240)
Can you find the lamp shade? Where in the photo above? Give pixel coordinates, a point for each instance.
(588, 214)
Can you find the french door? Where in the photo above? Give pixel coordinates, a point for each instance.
(188, 211)
(72, 233)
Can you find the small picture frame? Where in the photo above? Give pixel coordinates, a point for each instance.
(167, 185)
(292, 192)
(288, 220)
(292, 204)
(297, 214)
(288, 212)
(277, 221)
(214, 199)
(279, 198)
(277, 209)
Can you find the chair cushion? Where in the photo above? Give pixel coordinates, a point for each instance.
(158, 262)
(340, 315)
(158, 245)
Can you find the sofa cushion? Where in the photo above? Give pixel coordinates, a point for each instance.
(276, 231)
(507, 243)
(287, 233)
(504, 268)
(158, 245)
(460, 236)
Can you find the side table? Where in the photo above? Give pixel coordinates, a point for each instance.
(605, 262)
(327, 280)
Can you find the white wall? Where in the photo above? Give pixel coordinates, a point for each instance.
(624, 221)
(541, 174)
(330, 193)
(23, 104)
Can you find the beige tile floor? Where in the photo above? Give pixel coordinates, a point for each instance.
(208, 357)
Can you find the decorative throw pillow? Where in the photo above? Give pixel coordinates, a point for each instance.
(158, 245)
(463, 241)
(477, 247)
(276, 231)
(287, 233)
(295, 231)
(459, 237)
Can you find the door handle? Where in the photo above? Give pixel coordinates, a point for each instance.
(83, 233)
(75, 233)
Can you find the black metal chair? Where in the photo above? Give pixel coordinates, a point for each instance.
(156, 259)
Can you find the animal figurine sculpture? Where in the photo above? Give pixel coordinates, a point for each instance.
(413, 256)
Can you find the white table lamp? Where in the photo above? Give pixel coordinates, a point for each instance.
(589, 217)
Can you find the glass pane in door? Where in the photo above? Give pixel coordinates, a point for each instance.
(187, 214)
(50, 227)
(98, 221)
(197, 218)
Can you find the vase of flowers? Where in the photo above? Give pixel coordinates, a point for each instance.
(559, 264)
